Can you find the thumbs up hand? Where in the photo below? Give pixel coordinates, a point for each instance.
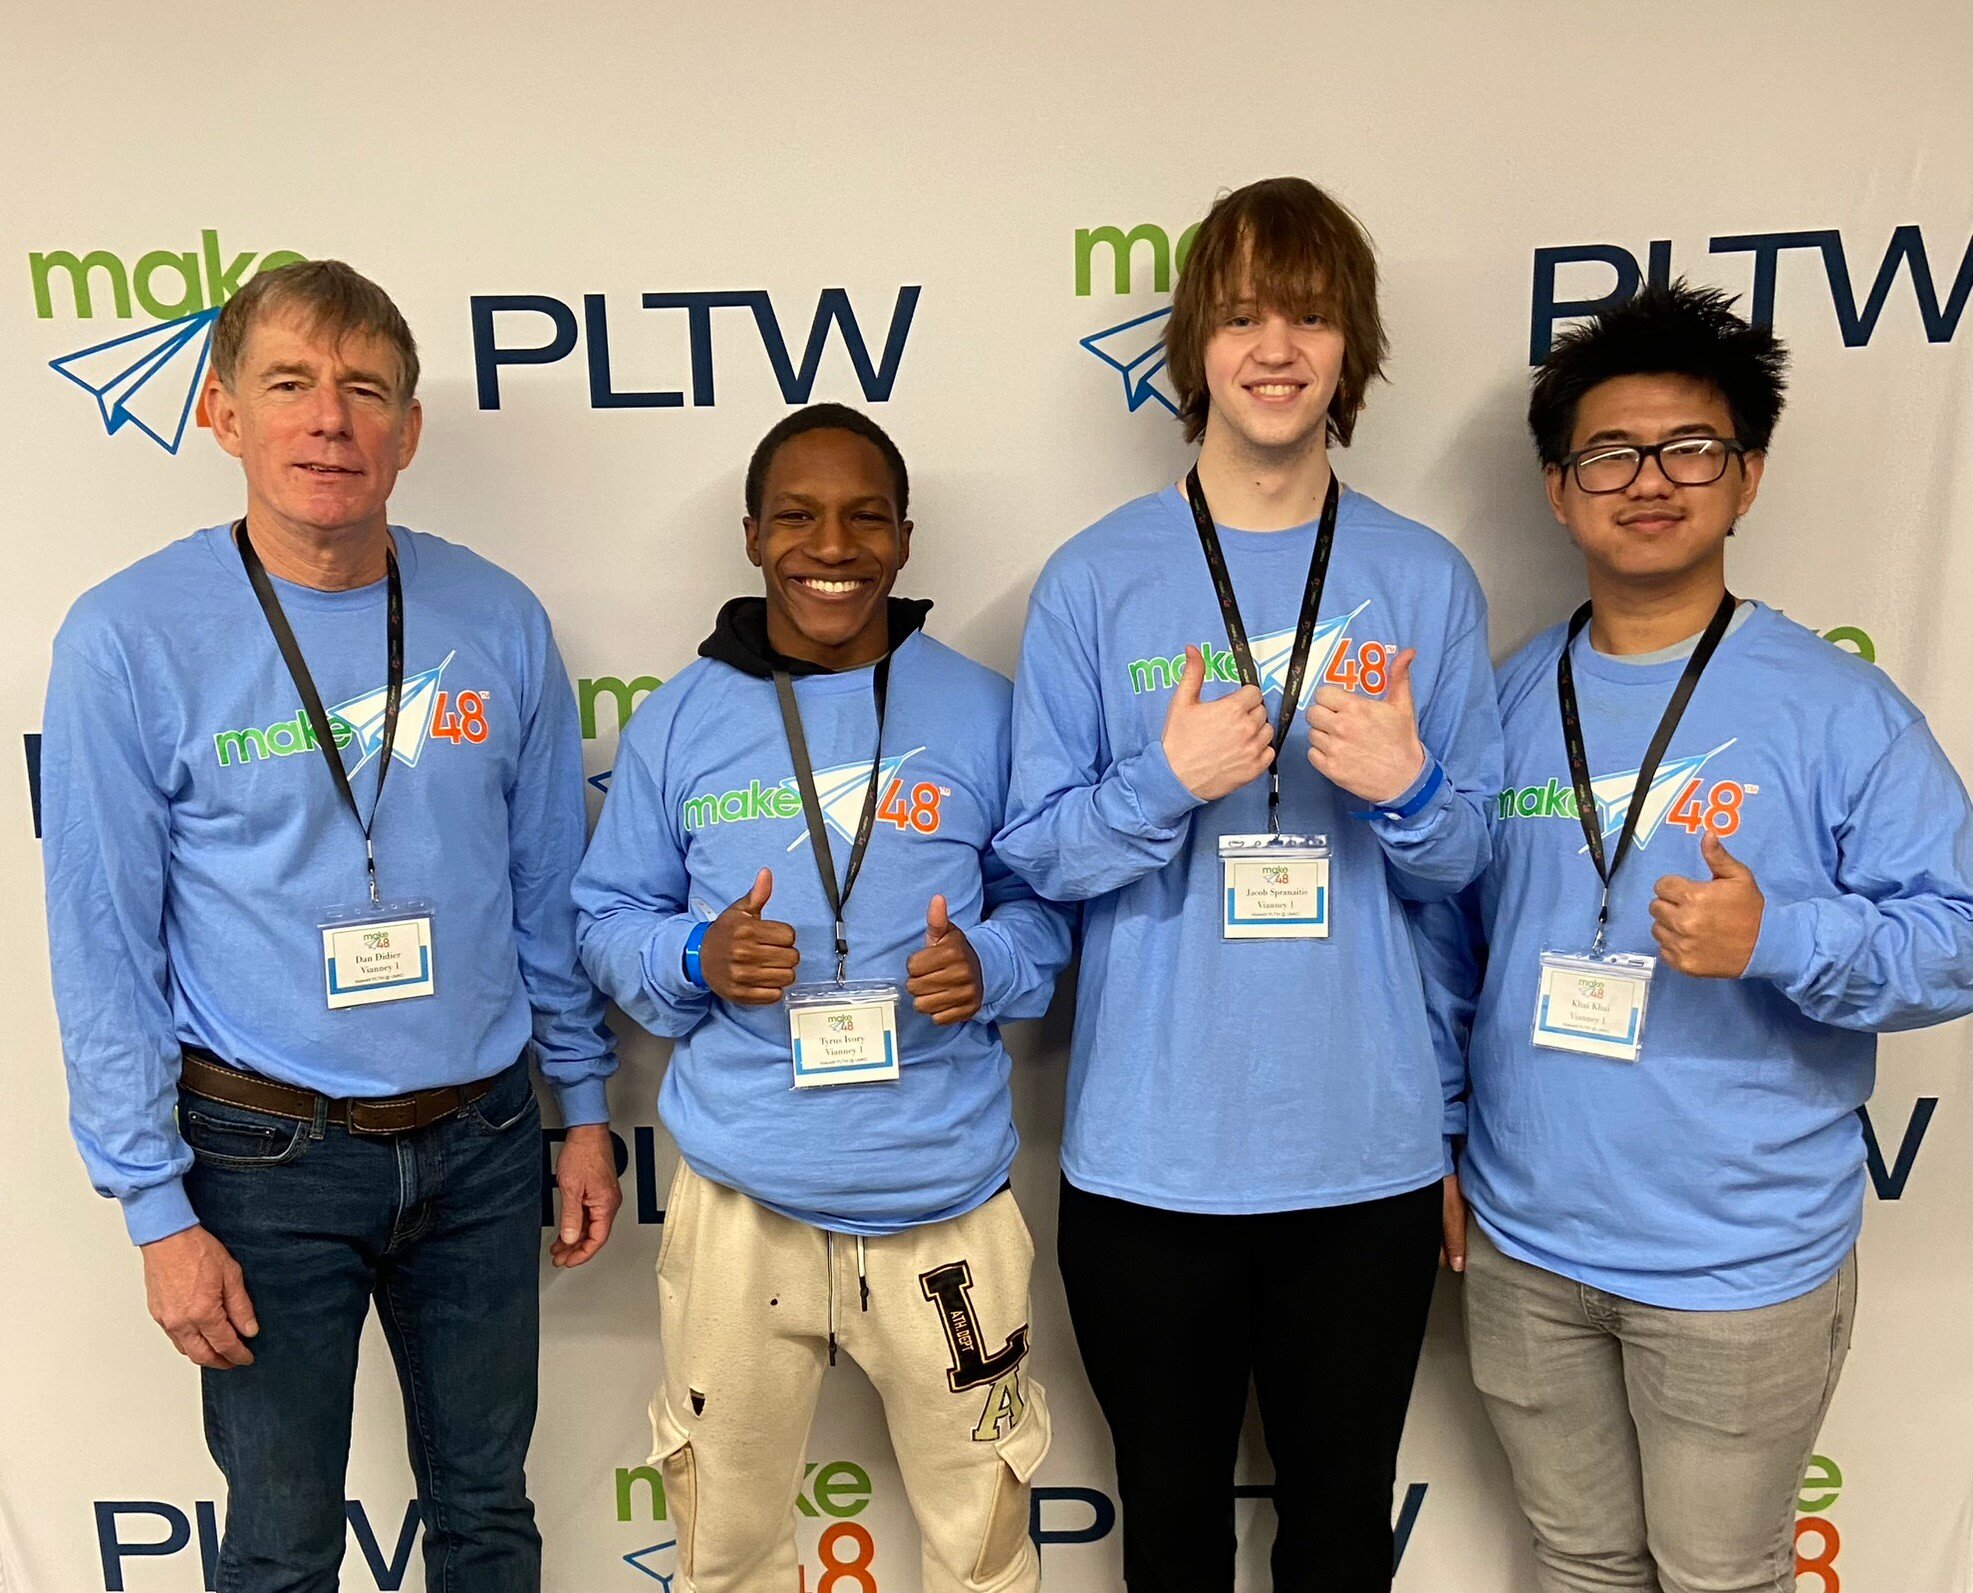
(1215, 747)
(747, 959)
(1707, 928)
(1368, 745)
(944, 978)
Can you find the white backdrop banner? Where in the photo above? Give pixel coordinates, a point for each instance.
(630, 238)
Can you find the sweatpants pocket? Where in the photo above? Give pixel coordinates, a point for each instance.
(671, 1453)
(1021, 1453)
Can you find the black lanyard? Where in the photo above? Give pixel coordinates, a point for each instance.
(1236, 630)
(1647, 771)
(818, 826)
(311, 699)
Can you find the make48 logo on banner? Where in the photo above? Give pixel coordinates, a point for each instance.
(1817, 1542)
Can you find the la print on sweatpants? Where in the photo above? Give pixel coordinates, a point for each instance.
(874, 1219)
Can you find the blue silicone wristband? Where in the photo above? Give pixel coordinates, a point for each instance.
(693, 943)
(1425, 794)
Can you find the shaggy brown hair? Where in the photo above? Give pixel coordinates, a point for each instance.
(331, 298)
(1294, 249)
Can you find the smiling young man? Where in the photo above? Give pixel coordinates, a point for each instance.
(1664, 1155)
(794, 879)
(297, 996)
(1253, 1154)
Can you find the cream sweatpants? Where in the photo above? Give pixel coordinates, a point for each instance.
(754, 1305)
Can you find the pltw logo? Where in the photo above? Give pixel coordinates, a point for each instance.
(1857, 323)
(150, 378)
(1134, 348)
(832, 308)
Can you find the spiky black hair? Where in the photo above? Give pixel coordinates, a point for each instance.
(1678, 330)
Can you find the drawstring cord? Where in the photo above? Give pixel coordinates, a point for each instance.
(862, 1275)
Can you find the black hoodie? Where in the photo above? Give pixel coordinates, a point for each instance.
(739, 637)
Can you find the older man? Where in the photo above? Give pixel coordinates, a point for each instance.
(314, 802)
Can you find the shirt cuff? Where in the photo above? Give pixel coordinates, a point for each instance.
(584, 1102)
(998, 966)
(664, 960)
(158, 1212)
(1418, 800)
(1161, 797)
(1785, 947)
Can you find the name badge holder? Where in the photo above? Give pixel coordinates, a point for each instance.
(376, 951)
(1275, 887)
(844, 1034)
(1593, 1003)
(842, 1031)
(380, 953)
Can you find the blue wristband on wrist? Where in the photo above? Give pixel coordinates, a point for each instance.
(1433, 780)
(690, 961)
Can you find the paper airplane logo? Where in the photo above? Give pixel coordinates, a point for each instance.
(843, 790)
(1272, 653)
(636, 1559)
(148, 379)
(1136, 350)
(417, 707)
(1613, 794)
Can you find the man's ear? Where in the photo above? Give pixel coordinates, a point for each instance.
(224, 414)
(753, 540)
(1752, 466)
(903, 544)
(1556, 480)
(414, 428)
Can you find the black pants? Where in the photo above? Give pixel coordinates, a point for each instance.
(1324, 1310)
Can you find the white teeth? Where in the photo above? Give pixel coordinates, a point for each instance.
(1276, 389)
(834, 588)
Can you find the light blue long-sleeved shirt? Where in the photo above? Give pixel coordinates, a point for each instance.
(194, 841)
(703, 797)
(1244, 1076)
(1724, 1169)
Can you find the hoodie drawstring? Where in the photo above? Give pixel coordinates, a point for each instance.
(862, 1275)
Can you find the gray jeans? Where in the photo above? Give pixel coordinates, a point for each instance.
(1653, 1448)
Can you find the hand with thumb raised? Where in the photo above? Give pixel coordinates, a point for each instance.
(944, 979)
(1219, 746)
(1369, 745)
(1708, 928)
(747, 959)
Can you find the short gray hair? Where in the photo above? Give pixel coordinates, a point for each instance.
(332, 297)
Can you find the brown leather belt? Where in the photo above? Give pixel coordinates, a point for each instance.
(204, 1074)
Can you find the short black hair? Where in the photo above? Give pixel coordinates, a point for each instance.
(824, 417)
(1675, 330)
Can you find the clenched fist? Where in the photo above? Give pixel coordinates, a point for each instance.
(1368, 745)
(747, 959)
(1707, 928)
(944, 978)
(1215, 747)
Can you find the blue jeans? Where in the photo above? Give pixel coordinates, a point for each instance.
(442, 1229)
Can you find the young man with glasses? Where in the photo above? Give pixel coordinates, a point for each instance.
(1244, 751)
(1726, 857)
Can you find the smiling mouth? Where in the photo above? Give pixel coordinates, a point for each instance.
(1275, 390)
(823, 586)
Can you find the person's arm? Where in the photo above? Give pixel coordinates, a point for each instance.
(547, 823)
(1435, 835)
(631, 894)
(546, 827)
(1023, 944)
(1079, 824)
(106, 845)
(1893, 947)
(106, 823)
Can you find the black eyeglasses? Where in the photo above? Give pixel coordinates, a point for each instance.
(1685, 462)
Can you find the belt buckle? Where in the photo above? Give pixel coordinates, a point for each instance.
(397, 1115)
